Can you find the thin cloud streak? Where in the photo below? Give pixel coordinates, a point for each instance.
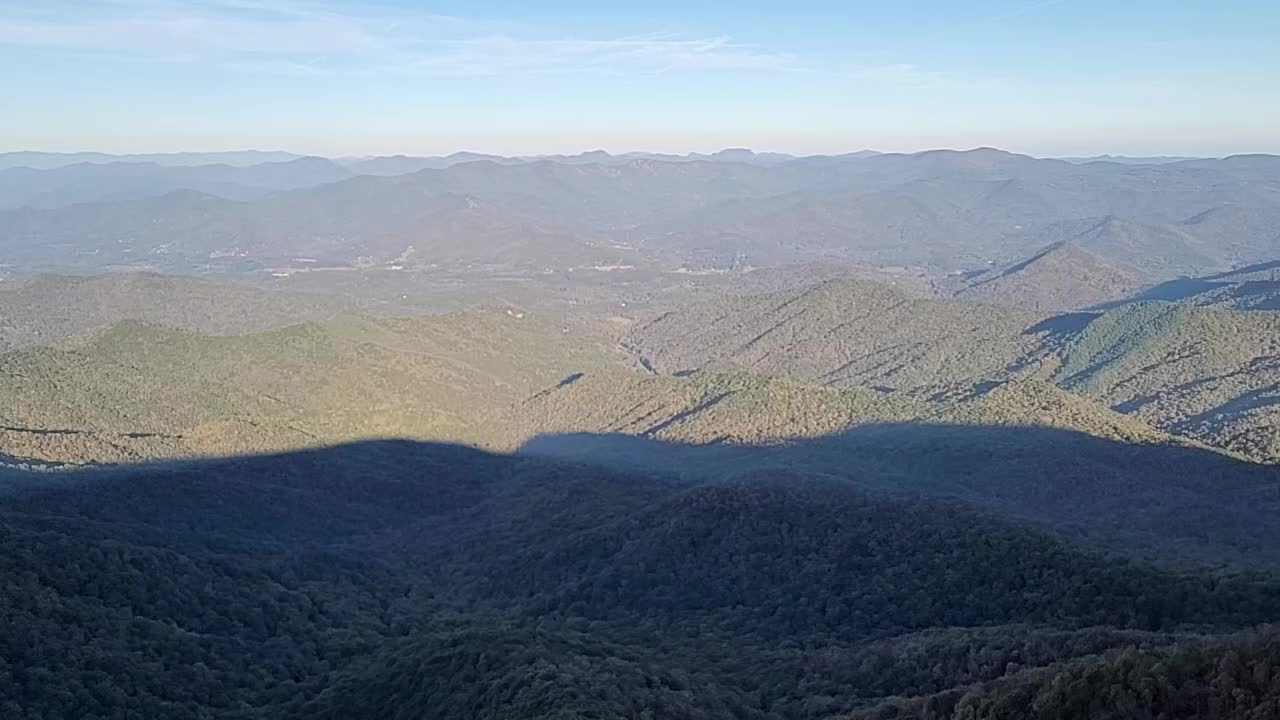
(290, 38)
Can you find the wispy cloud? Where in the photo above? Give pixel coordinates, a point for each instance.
(498, 53)
(290, 37)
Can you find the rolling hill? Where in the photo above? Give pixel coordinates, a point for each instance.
(1148, 250)
(137, 391)
(739, 408)
(882, 228)
(844, 332)
(1062, 276)
(800, 363)
(1206, 373)
(366, 221)
(50, 309)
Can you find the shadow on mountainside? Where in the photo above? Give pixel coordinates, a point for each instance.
(1069, 323)
(411, 579)
(1162, 502)
(1247, 269)
(1188, 287)
(1157, 502)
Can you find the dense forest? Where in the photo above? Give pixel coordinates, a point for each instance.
(404, 580)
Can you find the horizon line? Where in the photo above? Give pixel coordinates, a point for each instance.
(600, 151)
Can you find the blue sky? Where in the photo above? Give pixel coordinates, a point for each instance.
(1048, 77)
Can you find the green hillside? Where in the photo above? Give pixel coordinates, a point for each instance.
(741, 408)
(1211, 373)
(1207, 373)
(843, 332)
(139, 391)
(50, 309)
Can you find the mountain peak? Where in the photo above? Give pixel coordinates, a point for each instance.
(1062, 275)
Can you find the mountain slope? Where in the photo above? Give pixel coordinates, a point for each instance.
(139, 391)
(46, 309)
(1146, 250)
(1231, 678)
(881, 227)
(1025, 447)
(1061, 276)
(739, 408)
(843, 333)
(412, 580)
(1253, 287)
(1205, 372)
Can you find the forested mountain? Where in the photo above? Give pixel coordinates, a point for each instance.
(842, 332)
(839, 378)
(1207, 373)
(409, 580)
(1023, 447)
(1059, 277)
(49, 309)
(137, 391)
(1254, 287)
(746, 409)
(1202, 373)
(1234, 677)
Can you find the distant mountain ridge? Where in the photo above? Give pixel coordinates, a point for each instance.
(1133, 160)
(938, 211)
(122, 181)
(49, 160)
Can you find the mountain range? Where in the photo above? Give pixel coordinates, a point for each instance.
(944, 435)
(1139, 371)
(51, 160)
(1110, 229)
(118, 181)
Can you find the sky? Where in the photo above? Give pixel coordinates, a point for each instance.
(348, 77)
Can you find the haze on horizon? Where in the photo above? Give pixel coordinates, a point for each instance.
(341, 78)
